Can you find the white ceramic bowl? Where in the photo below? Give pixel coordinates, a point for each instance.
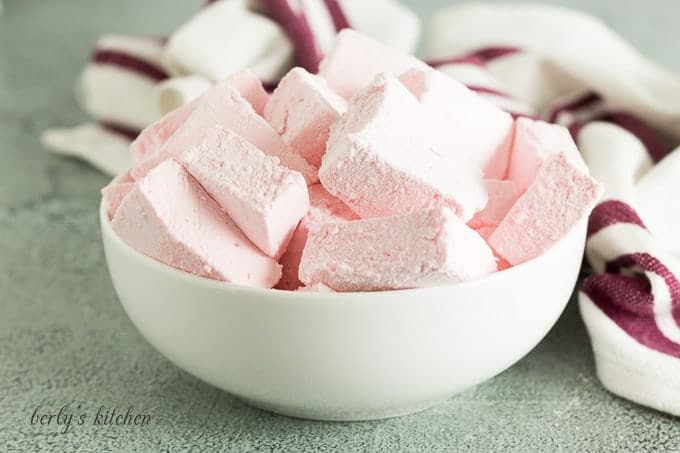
(344, 356)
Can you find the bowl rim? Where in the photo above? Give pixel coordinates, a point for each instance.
(108, 231)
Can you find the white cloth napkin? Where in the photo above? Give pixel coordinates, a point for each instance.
(131, 81)
(625, 114)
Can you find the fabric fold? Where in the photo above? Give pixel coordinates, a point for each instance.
(116, 84)
(569, 50)
(104, 149)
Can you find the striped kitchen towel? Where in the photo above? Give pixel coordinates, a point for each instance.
(116, 88)
(624, 112)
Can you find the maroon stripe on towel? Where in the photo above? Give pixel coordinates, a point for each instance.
(337, 14)
(493, 53)
(486, 90)
(482, 90)
(472, 60)
(478, 58)
(516, 115)
(649, 263)
(649, 137)
(129, 63)
(628, 302)
(611, 212)
(269, 87)
(656, 149)
(585, 101)
(120, 130)
(295, 25)
(575, 129)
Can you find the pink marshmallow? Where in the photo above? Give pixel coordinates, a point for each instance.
(224, 106)
(380, 159)
(265, 199)
(422, 248)
(302, 110)
(155, 135)
(502, 195)
(115, 191)
(535, 142)
(169, 217)
(356, 58)
(485, 232)
(323, 208)
(560, 196)
(463, 123)
(250, 87)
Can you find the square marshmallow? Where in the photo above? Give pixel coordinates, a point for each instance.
(560, 197)
(250, 88)
(534, 143)
(155, 135)
(168, 216)
(502, 195)
(422, 248)
(265, 199)
(224, 106)
(323, 208)
(380, 159)
(463, 123)
(355, 59)
(302, 110)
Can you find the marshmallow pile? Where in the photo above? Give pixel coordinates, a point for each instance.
(377, 173)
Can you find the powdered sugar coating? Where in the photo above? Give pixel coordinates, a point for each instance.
(355, 59)
(381, 161)
(323, 208)
(169, 217)
(302, 109)
(502, 195)
(264, 198)
(149, 142)
(250, 87)
(464, 125)
(560, 196)
(224, 106)
(534, 143)
(422, 248)
(153, 137)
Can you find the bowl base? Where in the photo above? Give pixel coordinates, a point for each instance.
(331, 415)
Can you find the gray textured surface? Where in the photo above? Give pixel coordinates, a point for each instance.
(64, 338)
